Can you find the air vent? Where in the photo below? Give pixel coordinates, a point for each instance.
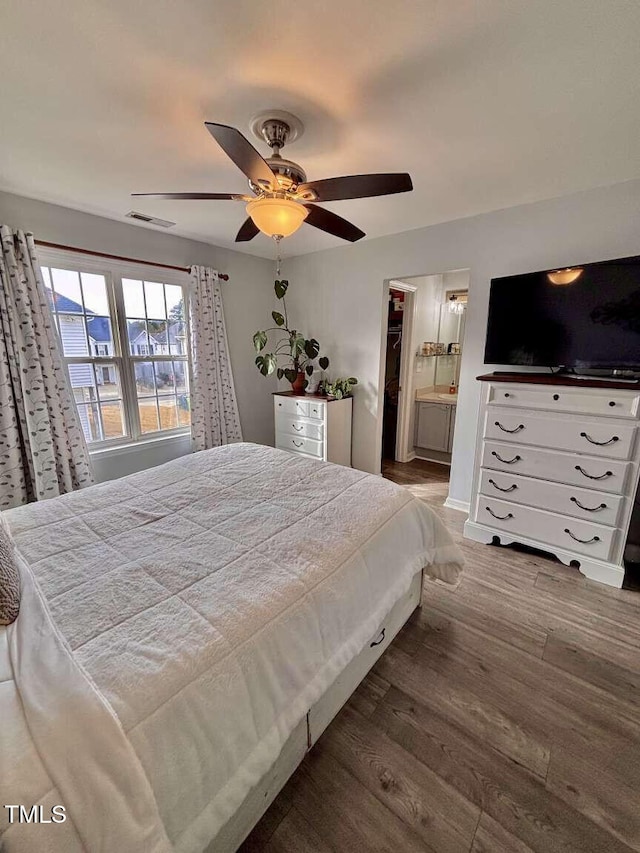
(150, 220)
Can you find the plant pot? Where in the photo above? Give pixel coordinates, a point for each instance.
(298, 385)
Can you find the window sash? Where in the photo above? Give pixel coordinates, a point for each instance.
(124, 361)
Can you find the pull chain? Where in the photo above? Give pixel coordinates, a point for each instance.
(277, 238)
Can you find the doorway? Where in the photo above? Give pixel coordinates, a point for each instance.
(397, 367)
(425, 331)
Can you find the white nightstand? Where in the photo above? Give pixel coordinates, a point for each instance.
(314, 426)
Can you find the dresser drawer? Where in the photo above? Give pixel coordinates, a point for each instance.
(299, 444)
(568, 534)
(581, 435)
(294, 406)
(316, 409)
(295, 425)
(598, 507)
(291, 405)
(606, 475)
(617, 404)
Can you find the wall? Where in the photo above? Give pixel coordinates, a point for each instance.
(342, 293)
(247, 296)
(425, 328)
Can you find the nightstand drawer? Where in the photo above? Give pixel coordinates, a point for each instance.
(293, 425)
(299, 444)
(316, 409)
(291, 405)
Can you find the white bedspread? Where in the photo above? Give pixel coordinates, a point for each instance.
(176, 625)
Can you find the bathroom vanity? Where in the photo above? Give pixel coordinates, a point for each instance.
(437, 373)
(435, 416)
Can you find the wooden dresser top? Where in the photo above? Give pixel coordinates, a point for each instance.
(558, 379)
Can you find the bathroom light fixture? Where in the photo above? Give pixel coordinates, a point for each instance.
(565, 276)
(456, 305)
(277, 217)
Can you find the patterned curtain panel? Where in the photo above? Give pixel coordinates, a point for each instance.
(42, 448)
(214, 410)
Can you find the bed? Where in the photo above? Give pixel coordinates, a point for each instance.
(186, 633)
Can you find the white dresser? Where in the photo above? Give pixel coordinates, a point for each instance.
(314, 426)
(557, 469)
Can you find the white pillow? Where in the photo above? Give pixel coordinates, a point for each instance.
(9, 577)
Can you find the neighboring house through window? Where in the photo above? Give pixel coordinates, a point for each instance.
(124, 338)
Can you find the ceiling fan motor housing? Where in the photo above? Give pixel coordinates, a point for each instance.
(276, 132)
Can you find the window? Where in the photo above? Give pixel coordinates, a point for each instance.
(124, 339)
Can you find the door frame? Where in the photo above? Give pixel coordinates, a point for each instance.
(405, 390)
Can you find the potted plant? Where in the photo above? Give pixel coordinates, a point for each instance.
(340, 388)
(291, 346)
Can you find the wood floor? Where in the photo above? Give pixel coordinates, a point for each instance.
(505, 718)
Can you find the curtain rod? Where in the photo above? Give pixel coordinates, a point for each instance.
(221, 276)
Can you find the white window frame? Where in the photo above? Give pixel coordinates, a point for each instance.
(114, 271)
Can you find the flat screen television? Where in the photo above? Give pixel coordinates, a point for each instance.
(584, 317)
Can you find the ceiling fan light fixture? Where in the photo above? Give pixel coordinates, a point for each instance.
(277, 217)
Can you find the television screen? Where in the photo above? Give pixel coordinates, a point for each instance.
(580, 317)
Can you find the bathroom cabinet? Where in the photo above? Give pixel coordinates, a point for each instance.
(434, 426)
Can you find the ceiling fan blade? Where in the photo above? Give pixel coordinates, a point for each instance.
(244, 155)
(330, 222)
(191, 196)
(247, 231)
(358, 186)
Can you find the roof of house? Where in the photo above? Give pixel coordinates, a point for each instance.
(63, 303)
(137, 330)
(99, 329)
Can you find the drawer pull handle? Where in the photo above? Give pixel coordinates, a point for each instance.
(517, 429)
(297, 428)
(582, 541)
(588, 508)
(592, 476)
(500, 489)
(500, 517)
(297, 443)
(599, 443)
(506, 461)
(379, 640)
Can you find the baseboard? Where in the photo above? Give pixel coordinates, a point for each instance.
(461, 506)
(411, 456)
(446, 462)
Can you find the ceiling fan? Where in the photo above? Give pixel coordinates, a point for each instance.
(282, 197)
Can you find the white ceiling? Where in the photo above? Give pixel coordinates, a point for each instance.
(487, 103)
